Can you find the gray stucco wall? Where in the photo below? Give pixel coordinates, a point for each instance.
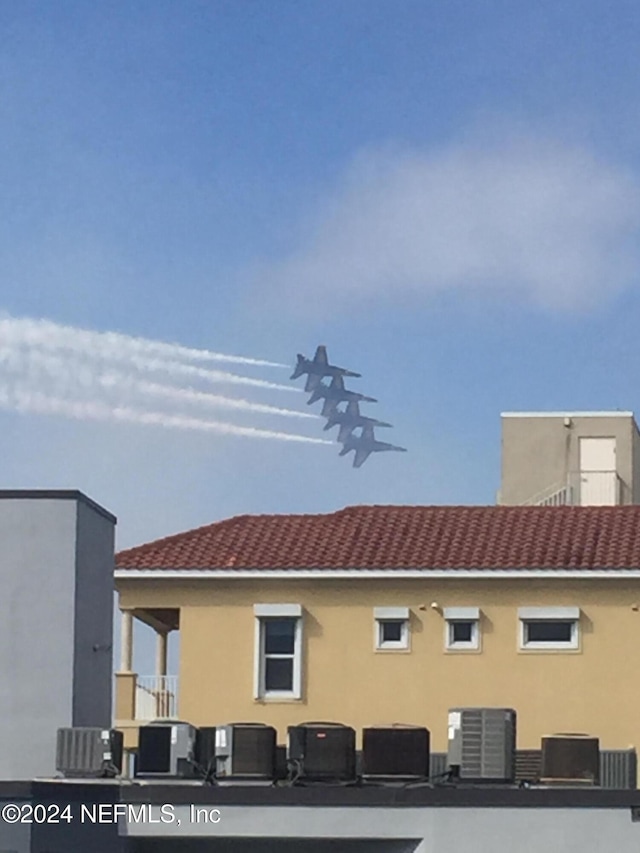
(37, 579)
(93, 640)
(56, 580)
(423, 830)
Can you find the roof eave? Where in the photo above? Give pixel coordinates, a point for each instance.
(373, 574)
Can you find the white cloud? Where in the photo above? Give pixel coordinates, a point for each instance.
(546, 221)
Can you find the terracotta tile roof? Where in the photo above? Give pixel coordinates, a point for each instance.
(406, 537)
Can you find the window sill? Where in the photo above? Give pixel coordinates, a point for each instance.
(466, 650)
(553, 650)
(392, 651)
(277, 700)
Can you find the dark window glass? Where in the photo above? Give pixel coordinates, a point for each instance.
(392, 632)
(278, 674)
(549, 632)
(461, 632)
(279, 636)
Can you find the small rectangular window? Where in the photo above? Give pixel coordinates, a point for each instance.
(549, 628)
(462, 628)
(391, 627)
(462, 634)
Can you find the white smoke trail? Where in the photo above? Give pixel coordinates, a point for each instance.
(11, 355)
(175, 368)
(189, 395)
(37, 402)
(49, 335)
(69, 376)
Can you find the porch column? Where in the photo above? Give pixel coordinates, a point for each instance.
(161, 653)
(126, 636)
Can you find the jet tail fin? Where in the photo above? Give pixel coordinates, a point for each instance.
(299, 368)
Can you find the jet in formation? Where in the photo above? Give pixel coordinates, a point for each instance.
(317, 368)
(349, 418)
(333, 394)
(365, 444)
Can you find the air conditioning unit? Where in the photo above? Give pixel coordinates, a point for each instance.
(482, 744)
(89, 752)
(528, 765)
(246, 751)
(395, 752)
(166, 750)
(322, 751)
(570, 759)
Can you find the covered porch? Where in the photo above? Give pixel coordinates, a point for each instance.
(142, 698)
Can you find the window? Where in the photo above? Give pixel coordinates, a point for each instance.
(277, 671)
(391, 627)
(462, 631)
(549, 627)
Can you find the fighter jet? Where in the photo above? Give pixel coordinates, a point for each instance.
(364, 444)
(318, 367)
(349, 420)
(334, 394)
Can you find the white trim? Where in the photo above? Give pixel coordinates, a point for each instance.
(567, 414)
(278, 610)
(551, 614)
(375, 574)
(461, 614)
(390, 614)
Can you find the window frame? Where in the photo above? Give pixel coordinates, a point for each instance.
(262, 615)
(454, 615)
(385, 615)
(528, 615)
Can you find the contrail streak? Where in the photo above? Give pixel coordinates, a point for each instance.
(189, 395)
(11, 353)
(46, 334)
(37, 402)
(175, 368)
(68, 376)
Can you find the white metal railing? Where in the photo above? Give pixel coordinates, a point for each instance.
(582, 488)
(156, 697)
(559, 494)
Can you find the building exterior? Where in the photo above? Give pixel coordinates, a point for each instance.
(381, 614)
(57, 556)
(576, 458)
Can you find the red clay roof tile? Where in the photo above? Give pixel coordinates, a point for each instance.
(406, 537)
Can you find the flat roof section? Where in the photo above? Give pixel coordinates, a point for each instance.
(615, 414)
(56, 495)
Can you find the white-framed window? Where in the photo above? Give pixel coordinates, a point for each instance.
(391, 628)
(549, 628)
(462, 628)
(278, 651)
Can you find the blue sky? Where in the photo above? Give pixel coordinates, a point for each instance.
(446, 194)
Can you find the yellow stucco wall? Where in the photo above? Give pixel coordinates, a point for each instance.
(594, 690)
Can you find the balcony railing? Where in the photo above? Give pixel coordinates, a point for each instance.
(156, 697)
(582, 488)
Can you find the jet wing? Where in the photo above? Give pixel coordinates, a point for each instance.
(313, 380)
(345, 432)
(362, 454)
(321, 356)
